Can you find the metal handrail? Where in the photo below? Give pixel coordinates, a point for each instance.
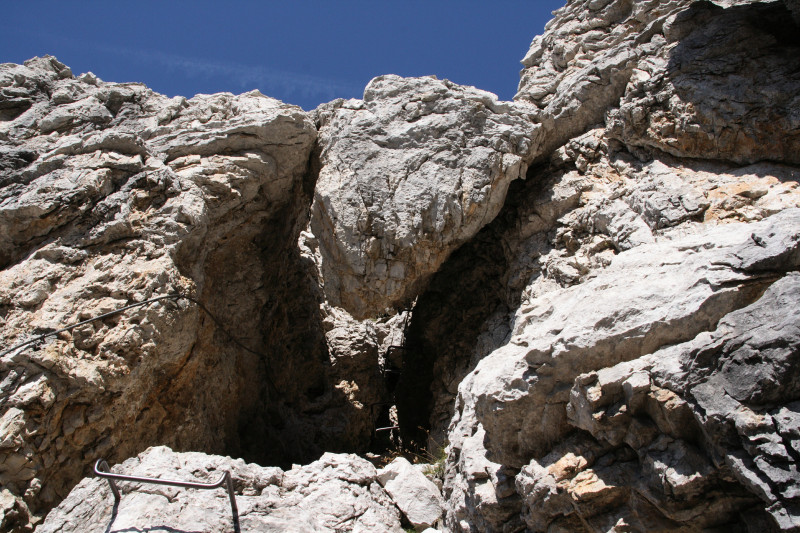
(101, 469)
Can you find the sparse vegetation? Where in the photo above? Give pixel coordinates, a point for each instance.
(436, 459)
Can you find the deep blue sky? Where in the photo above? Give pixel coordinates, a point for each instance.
(301, 52)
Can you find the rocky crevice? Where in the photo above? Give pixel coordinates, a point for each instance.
(461, 316)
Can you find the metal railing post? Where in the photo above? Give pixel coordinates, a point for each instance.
(101, 464)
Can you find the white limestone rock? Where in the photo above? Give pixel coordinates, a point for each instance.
(647, 297)
(112, 194)
(667, 74)
(697, 417)
(416, 496)
(581, 65)
(408, 174)
(623, 369)
(688, 96)
(653, 295)
(335, 493)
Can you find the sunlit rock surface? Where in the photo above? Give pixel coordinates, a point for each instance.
(336, 493)
(408, 174)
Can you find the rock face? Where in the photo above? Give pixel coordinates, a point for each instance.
(670, 75)
(588, 297)
(112, 194)
(516, 405)
(335, 493)
(716, 413)
(612, 259)
(651, 296)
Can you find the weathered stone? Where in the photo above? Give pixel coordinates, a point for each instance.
(715, 64)
(416, 496)
(604, 196)
(108, 201)
(14, 514)
(671, 292)
(408, 174)
(534, 386)
(707, 426)
(335, 493)
(613, 340)
(581, 65)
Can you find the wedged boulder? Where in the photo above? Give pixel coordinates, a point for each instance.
(335, 493)
(407, 175)
(415, 495)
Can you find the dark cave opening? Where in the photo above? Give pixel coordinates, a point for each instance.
(294, 355)
(469, 288)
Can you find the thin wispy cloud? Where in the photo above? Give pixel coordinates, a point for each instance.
(271, 81)
(246, 76)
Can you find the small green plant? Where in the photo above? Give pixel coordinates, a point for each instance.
(436, 458)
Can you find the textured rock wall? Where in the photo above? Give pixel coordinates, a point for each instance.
(589, 295)
(520, 456)
(112, 194)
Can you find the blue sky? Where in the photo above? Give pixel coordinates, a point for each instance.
(301, 52)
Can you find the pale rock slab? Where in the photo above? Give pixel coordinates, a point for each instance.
(697, 416)
(514, 406)
(671, 292)
(591, 204)
(592, 201)
(416, 496)
(335, 493)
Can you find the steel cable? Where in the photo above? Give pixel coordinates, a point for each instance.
(88, 320)
(173, 296)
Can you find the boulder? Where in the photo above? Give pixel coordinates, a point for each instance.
(415, 495)
(338, 492)
(408, 174)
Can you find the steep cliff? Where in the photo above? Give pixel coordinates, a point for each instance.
(588, 296)
(661, 228)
